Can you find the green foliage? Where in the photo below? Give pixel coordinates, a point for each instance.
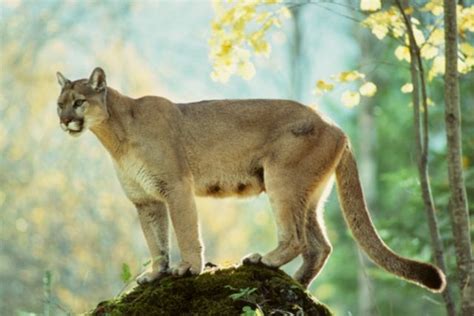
(249, 311)
(242, 294)
(125, 274)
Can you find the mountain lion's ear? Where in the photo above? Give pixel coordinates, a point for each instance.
(63, 81)
(97, 79)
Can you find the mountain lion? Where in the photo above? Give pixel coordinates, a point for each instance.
(164, 153)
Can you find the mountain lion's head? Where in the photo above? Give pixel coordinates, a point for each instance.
(81, 104)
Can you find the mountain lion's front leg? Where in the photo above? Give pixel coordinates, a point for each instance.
(184, 218)
(154, 221)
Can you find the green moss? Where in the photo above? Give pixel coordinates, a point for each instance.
(210, 294)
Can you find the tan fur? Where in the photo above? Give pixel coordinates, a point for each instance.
(165, 153)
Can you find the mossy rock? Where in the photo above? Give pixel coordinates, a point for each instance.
(245, 290)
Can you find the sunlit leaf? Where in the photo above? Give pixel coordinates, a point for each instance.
(380, 31)
(407, 88)
(370, 5)
(409, 10)
(403, 53)
(466, 19)
(463, 68)
(246, 70)
(428, 51)
(323, 86)
(434, 6)
(368, 89)
(242, 26)
(437, 67)
(437, 37)
(418, 34)
(350, 98)
(346, 76)
(284, 12)
(467, 49)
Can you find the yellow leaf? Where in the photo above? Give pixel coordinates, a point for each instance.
(467, 49)
(402, 53)
(434, 6)
(407, 88)
(246, 70)
(323, 86)
(370, 5)
(346, 76)
(262, 17)
(463, 67)
(261, 47)
(437, 37)
(229, 16)
(437, 68)
(380, 31)
(408, 11)
(428, 51)
(284, 12)
(414, 21)
(469, 61)
(466, 19)
(226, 48)
(419, 37)
(368, 89)
(350, 98)
(216, 27)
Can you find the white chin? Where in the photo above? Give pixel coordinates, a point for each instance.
(75, 133)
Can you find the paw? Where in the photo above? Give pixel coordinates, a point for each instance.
(184, 268)
(270, 261)
(148, 277)
(252, 258)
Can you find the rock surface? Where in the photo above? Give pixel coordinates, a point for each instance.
(245, 290)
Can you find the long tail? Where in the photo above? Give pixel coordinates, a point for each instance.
(358, 219)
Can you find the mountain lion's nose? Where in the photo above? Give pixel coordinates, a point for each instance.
(66, 119)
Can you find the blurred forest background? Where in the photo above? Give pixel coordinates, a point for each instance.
(63, 212)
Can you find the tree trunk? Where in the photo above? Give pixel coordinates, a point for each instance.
(422, 142)
(295, 55)
(366, 300)
(458, 200)
(367, 167)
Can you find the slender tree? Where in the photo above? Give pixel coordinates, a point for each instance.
(458, 200)
(367, 166)
(419, 97)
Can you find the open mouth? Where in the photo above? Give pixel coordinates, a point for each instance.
(73, 132)
(73, 128)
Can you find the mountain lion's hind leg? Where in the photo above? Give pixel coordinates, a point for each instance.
(289, 207)
(154, 221)
(317, 246)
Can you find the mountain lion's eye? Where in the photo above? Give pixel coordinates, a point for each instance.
(60, 105)
(78, 103)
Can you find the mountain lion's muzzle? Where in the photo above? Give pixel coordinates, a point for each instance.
(74, 126)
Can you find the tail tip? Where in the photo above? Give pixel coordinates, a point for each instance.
(432, 278)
